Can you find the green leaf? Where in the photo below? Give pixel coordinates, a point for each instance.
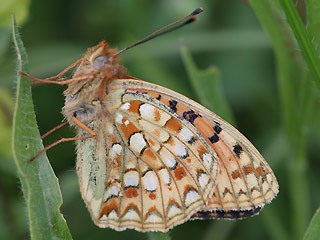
(313, 231)
(207, 86)
(158, 236)
(39, 184)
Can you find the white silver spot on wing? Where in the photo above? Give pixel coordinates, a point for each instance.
(125, 106)
(173, 211)
(131, 179)
(137, 142)
(119, 118)
(154, 217)
(207, 159)
(186, 134)
(146, 111)
(112, 191)
(203, 180)
(126, 122)
(191, 197)
(164, 175)
(150, 181)
(115, 151)
(180, 150)
(131, 214)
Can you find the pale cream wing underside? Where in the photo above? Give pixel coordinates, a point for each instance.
(245, 179)
(154, 164)
(157, 169)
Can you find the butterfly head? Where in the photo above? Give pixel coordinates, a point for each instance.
(100, 60)
(100, 56)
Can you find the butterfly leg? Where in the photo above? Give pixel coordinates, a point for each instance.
(60, 82)
(59, 75)
(79, 123)
(54, 129)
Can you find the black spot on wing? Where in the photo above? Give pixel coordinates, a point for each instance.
(237, 149)
(159, 97)
(187, 113)
(184, 156)
(217, 128)
(232, 214)
(173, 105)
(111, 196)
(214, 138)
(192, 140)
(133, 186)
(142, 150)
(190, 116)
(174, 166)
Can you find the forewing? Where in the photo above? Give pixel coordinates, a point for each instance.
(245, 181)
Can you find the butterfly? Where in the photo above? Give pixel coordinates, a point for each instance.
(149, 158)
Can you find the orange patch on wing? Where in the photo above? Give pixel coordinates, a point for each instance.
(148, 153)
(226, 190)
(151, 142)
(134, 106)
(201, 150)
(118, 160)
(199, 172)
(157, 115)
(173, 202)
(152, 94)
(152, 196)
(173, 124)
(179, 173)
(131, 206)
(236, 174)
(129, 129)
(131, 192)
(259, 171)
(170, 141)
(112, 204)
(152, 209)
(247, 169)
(156, 132)
(113, 139)
(188, 188)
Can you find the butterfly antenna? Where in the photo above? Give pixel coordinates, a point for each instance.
(168, 28)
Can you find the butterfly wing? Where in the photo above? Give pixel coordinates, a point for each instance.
(163, 159)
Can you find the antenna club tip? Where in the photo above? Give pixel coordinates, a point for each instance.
(197, 11)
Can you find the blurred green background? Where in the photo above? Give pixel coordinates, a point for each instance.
(227, 35)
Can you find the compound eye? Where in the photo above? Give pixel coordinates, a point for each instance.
(100, 62)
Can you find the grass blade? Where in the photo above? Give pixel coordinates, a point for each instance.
(207, 86)
(303, 39)
(292, 84)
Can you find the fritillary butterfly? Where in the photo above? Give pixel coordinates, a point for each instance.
(149, 158)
